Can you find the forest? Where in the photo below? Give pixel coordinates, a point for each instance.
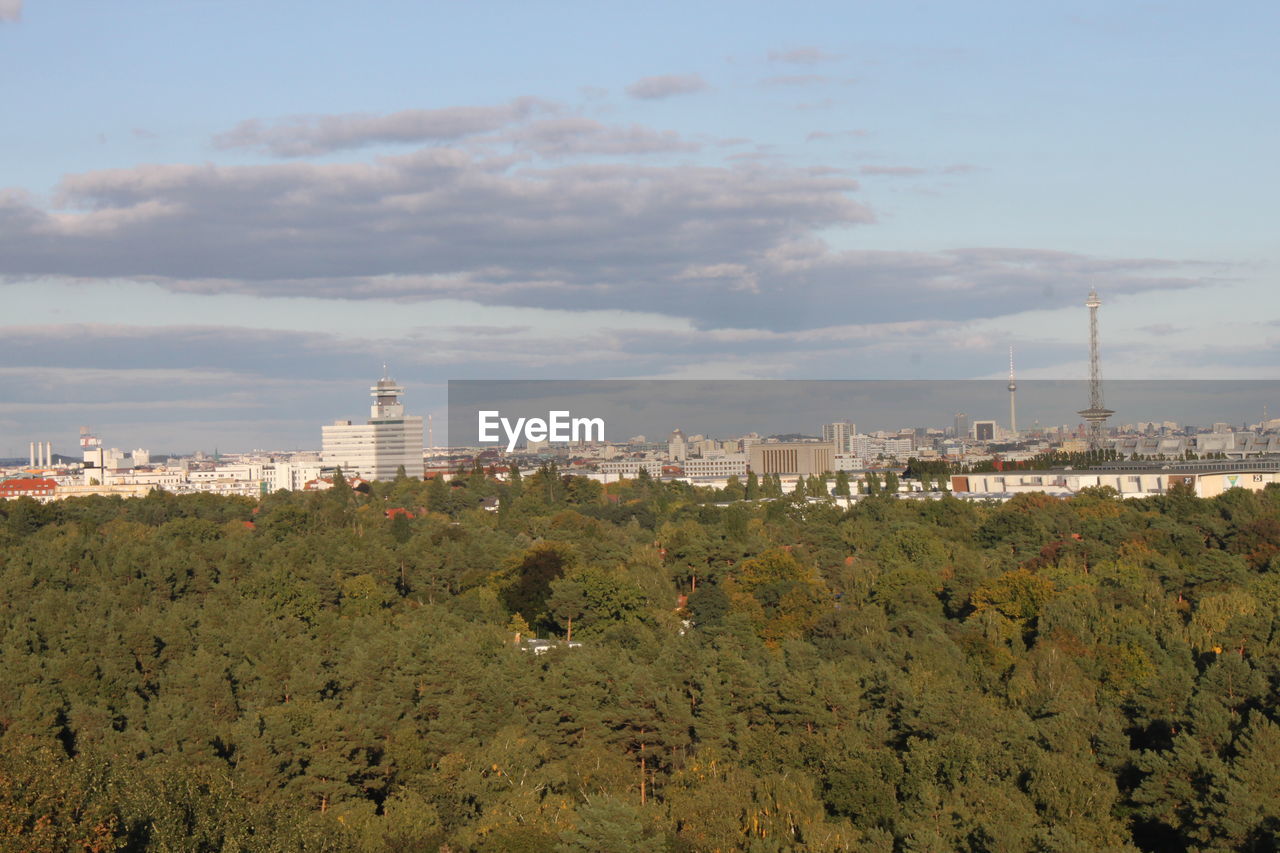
(347, 670)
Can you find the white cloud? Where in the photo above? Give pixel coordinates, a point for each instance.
(665, 86)
(304, 136)
(807, 55)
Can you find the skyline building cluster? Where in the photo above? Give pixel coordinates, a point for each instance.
(391, 442)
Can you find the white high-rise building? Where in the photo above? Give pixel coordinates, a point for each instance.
(839, 433)
(377, 449)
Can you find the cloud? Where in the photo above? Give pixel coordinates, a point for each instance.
(718, 246)
(436, 223)
(665, 86)
(803, 55)
(817, 135)
(305, 136)
(895, 171)
(578, 136)
(240, 388)
(913, 171)
(10, 10)
(795, 80)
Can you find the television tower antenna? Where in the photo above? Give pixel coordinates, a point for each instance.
(1096, 415)
(1013, 408)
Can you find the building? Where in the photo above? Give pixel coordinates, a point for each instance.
(984, 430)
(839, 433)
(631, 468)
(377, 449)
(290, 476)
(677, 446)
(1233, 445)
(805, 458)
(32, 487)
(722, 465)
(1206, 479)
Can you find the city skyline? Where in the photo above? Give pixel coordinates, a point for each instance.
(219, 222)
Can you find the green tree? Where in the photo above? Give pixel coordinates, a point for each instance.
(567, 601)
(608, 823)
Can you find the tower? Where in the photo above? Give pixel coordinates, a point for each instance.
(1096, 415)
(95, 460)
(1013, 407)
(386, 399)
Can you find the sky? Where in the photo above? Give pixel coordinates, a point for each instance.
(219, 220)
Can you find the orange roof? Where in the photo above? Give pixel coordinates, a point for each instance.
(28, 484)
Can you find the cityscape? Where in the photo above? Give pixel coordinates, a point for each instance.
(577, 427)
(980, 458)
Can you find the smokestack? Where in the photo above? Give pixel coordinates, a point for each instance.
(48, 454)
(33, 455)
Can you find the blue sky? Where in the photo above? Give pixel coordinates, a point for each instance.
(217, 220)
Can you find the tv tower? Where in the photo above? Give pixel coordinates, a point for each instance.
(1097, 414)
(1013, 406)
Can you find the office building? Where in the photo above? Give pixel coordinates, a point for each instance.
(376, 450)
(839, 434)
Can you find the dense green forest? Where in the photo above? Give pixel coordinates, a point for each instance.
(313, 672)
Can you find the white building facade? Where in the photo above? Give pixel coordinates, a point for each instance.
(378, 449)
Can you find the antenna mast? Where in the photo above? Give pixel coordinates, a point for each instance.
(1097, 414)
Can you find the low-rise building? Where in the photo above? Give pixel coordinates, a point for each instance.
(721, 465)
(1131, 481)
(40, 488)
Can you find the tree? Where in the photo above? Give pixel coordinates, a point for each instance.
(753, 486)
(437, 494)
(341, 491)
(567, 601)
(608, 823)
(1247, 802)
(531, 576)
(842, 484)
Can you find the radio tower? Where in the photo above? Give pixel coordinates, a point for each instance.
(1097, 414)
(1013, 407)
